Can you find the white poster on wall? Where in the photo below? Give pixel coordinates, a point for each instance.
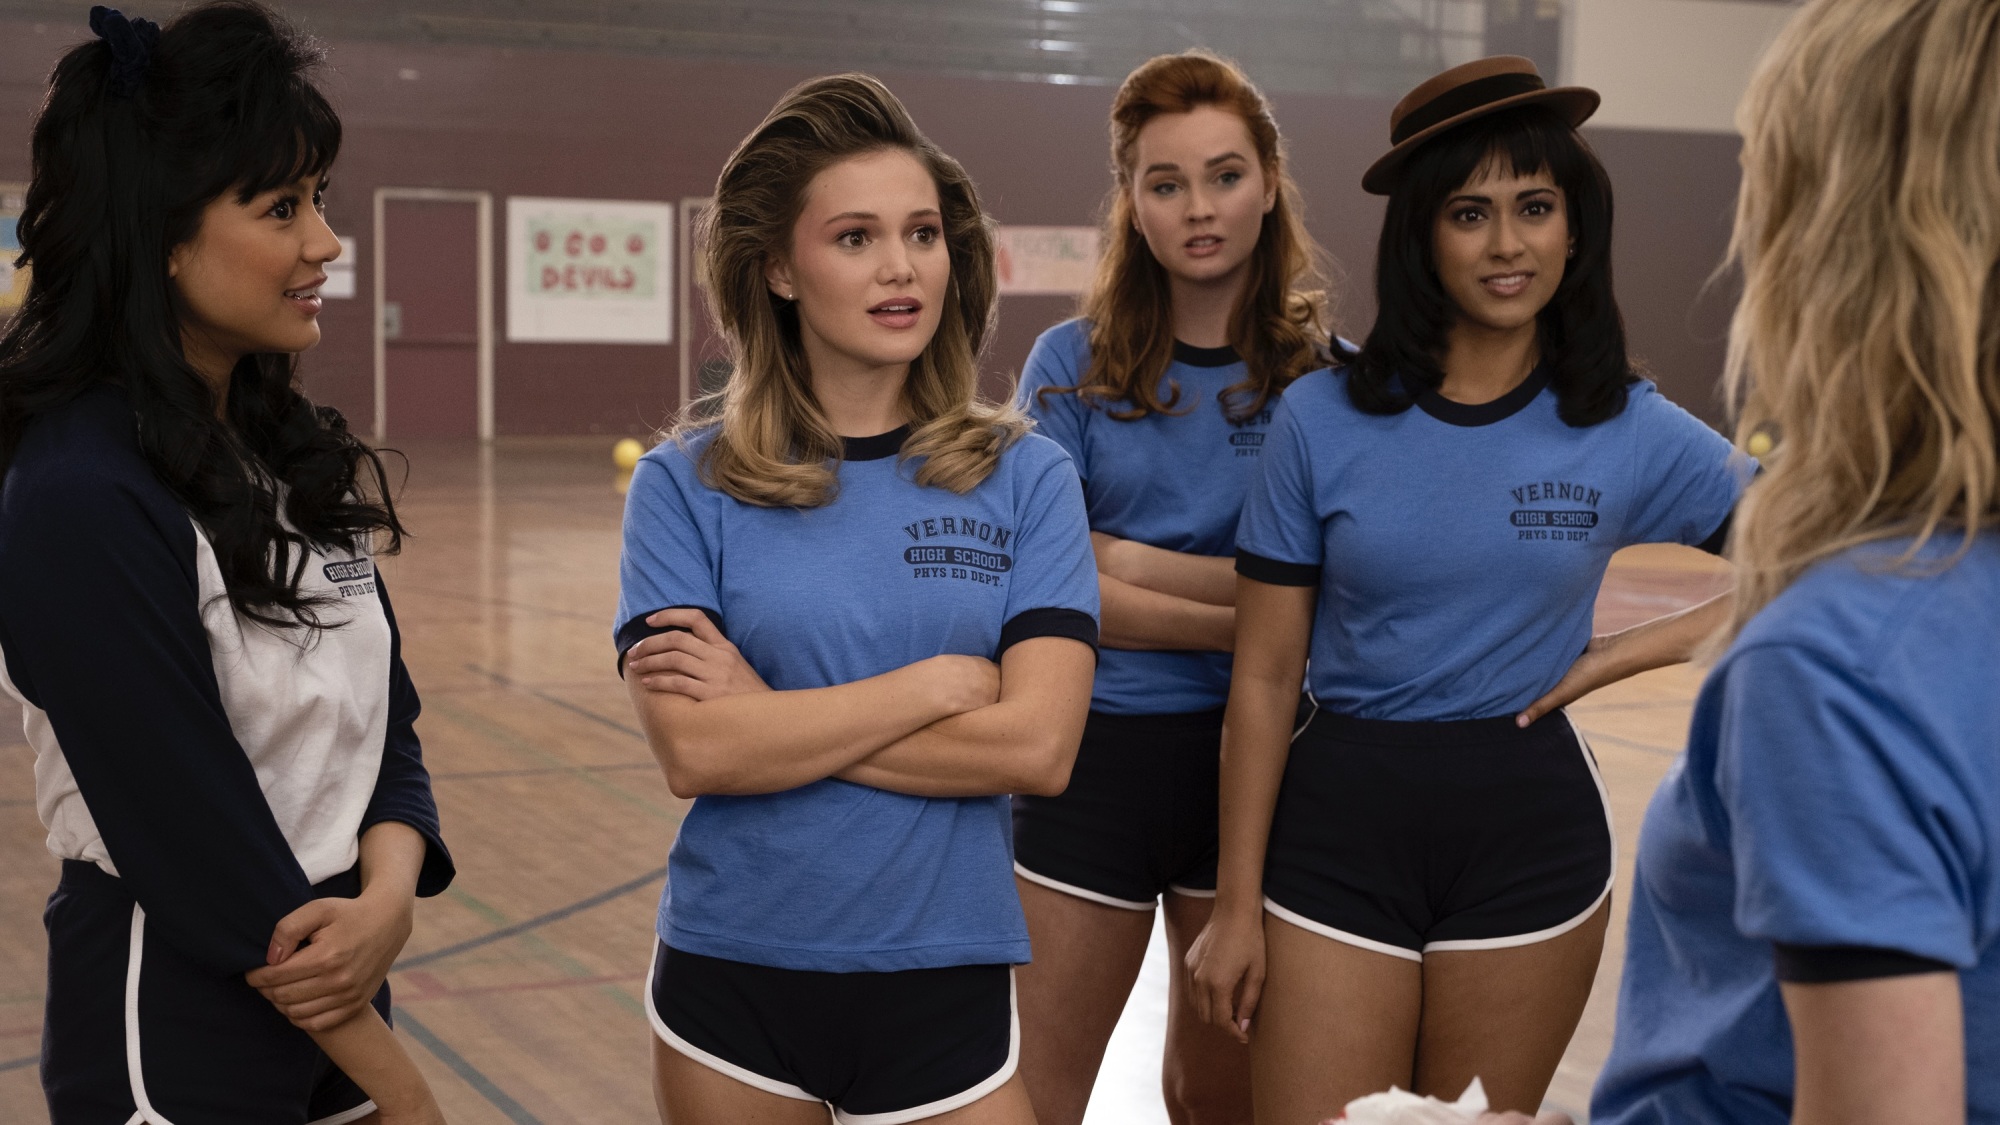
(590, 271)
(1045, 261)
(340, 271)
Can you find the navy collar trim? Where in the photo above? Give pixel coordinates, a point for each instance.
(1205, 357)
(1471, 414)
(874, 448)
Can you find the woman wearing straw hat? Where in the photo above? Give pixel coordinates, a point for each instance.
(1432, 845)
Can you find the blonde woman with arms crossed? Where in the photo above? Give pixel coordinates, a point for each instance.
(856, 610)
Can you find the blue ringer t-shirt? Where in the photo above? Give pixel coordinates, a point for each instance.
(834, 876)
(1174, 481)
(1458, 548)
(1836, 816)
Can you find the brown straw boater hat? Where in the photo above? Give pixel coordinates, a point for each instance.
(1462, 94)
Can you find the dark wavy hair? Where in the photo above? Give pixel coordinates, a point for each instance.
(224, 106)
(1582, 333)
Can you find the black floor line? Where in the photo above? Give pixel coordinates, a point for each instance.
(461, 1066)
(557, 701)
(540, 920)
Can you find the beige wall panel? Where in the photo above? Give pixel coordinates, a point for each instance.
(1669, 64)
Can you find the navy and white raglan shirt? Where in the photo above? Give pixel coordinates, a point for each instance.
(1170, 480)
(219, 767)
(1458, 549)
(1836, 817)
(834, 876)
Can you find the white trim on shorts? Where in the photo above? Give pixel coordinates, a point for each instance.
(134, 1070)
(964, 1097)
(1126, 903)
(1079, 892)
(347, 1115)
(1510, 942)
(1341, 936)
(755, 1080)
(1561, 928)
(742, 1074)
(1320, 928)
(1301, 728)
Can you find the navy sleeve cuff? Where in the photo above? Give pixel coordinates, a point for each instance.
(1072, 623)
(439, 869)
(1271, 572)
(636, 630)
(403, 787)
(1827, 964)
(1719, 538)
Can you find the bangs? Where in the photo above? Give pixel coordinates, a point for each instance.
(1519, 142)
(1579, 327)
(287, 132)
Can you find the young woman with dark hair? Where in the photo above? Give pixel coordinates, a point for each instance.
(1414, 875)
(856, 609)
(1578, 335)
(190, 615)
(1205, 307)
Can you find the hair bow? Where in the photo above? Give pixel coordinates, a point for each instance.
(131, 43)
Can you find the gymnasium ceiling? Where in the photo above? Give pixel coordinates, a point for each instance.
(1334, 46)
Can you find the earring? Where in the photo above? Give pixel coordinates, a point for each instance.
(1572, 251)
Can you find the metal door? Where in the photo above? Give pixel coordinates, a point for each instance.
(433, 360)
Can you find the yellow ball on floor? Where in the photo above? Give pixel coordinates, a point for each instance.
(626, 453)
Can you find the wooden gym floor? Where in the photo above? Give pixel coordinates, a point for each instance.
(520, 993)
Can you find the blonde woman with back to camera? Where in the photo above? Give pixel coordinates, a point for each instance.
(1815, 927)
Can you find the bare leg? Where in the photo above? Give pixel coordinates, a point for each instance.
(1006, 1106)
(1206, 1072)
(1506, 1015)
(689, 1093)
(1086, 957)
(1336, 1022)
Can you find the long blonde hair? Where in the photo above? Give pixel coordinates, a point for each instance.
(1867, 341)
(773, 445)
(1277, 324)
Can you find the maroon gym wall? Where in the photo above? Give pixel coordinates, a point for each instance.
(613, 126)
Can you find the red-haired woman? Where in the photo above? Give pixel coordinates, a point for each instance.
(1205, 306)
